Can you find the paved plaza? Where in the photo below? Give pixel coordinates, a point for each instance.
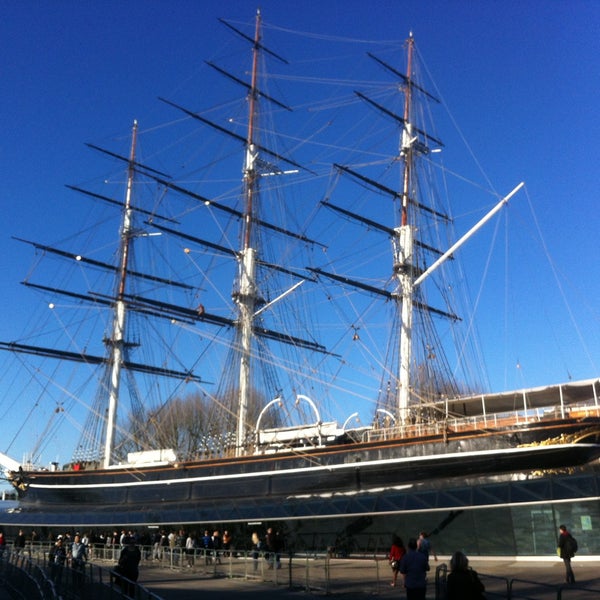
(531, 580)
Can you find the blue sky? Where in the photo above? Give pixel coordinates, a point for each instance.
(522, 79)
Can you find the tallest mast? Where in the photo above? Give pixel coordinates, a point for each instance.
(246, 297)
(117, 340)
(405, 247)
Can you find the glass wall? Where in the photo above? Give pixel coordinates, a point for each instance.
(515, 516)
(518, 530)
(512, 515)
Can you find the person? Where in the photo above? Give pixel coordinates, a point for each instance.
(566, 545)
(115, 544)
(216, 545)
(256, 548)
(78, 553)
(414, 567)
(272, 542)
(397, 551)
(89, 548)
(157, 544)
(227, 543)
(190, 549)
(78, 556)
(207, 544)
(279, 547)
(20, 542)
(128, 566)
(172, 539)
(180, 539)
(424, 545)
(58, 554)
(463, 583)
(56, 559)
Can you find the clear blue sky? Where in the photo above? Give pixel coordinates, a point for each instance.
(522, 79)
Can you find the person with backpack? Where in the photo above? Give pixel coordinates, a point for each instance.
(567, 547)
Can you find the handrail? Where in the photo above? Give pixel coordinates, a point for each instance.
(321, 571)
(53, 582)
(25, 578)
(469, 424)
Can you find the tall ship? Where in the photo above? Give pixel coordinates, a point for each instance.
(222, 313)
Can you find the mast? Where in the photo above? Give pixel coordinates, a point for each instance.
(246, 298)
(116, 342)
(404, 246)
(404, 241)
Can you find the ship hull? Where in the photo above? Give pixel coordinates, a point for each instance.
(256, 487)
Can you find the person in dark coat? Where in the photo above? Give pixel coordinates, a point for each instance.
(57, 557)
(20, 542)
(414, 567)
(565, 547)
(128, 567)
(274, 544)
(463, 583)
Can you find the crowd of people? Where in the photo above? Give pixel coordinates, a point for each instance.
(411, 562)
(210, 543)
(211, 546)
(183, 546)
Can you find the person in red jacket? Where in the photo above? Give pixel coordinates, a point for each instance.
(397, 551)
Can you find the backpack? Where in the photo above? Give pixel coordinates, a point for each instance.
(571, 545)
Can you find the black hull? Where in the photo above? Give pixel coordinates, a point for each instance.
(313, 483)
(447, 493)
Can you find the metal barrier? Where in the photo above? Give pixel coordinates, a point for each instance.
(24, 579)
(29, 576)
(321, 573)
(518, 589)
(574, 591)
(441, 573)
(496, 586)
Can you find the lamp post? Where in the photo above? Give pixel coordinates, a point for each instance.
(260, 416)
(314, 407)
(387, 413)
(350, 419)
